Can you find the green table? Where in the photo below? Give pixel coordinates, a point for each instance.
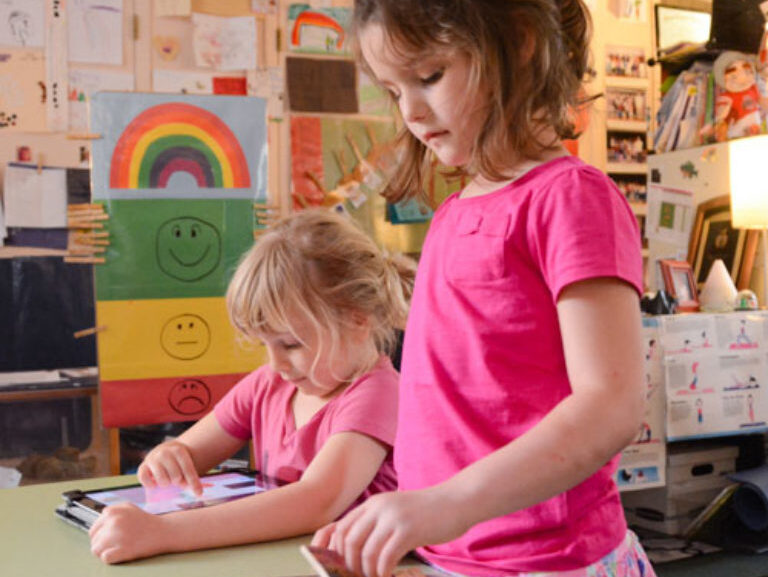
(36, 543)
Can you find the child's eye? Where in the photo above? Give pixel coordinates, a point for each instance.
(395, 96)
(434, 77)
(291, 346)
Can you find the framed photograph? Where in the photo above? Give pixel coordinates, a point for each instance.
(625, 61)
(713, 237)
(634, 186)
(677, 25)
(625, 103)
(678, 281)
(626, 147)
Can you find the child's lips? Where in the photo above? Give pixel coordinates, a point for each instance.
(429, 136)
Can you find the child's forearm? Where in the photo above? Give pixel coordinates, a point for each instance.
(295, 509)
(574, 441)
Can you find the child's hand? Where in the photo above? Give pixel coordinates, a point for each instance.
(170, 463)
(375, 536)
(124, 532)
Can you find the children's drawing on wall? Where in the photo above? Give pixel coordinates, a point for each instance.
(224, 43)
(83, 83)
(95, 31)
(319, 30)
(22, 23)
(22, 109)
(179, 176)
(264, 6)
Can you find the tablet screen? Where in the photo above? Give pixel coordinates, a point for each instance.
(217, 488)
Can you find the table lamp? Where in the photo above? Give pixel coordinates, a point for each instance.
(748, 166)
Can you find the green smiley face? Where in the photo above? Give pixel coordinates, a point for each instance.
(188, 248)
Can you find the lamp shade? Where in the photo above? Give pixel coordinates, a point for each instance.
(748, 173)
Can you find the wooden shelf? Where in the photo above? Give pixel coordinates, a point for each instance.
(626, 168)
(626, 125)
(626, 82)
(639, 208)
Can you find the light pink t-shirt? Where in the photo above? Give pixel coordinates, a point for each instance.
(483, 360)
(259, 408)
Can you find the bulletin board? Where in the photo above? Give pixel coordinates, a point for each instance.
(142, 57)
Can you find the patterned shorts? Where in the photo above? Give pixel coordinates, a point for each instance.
(627, 560)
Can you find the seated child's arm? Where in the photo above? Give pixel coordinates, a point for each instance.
(338, 474)
(181, 461)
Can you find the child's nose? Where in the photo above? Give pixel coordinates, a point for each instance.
(277, 360)
(412, 106)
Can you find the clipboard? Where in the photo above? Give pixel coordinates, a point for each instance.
(82, 508)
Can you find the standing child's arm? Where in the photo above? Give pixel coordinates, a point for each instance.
(601, 329)
(181, 461)
(338, 474)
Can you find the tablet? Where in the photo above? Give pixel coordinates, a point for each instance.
(83, 507)
(325, 562)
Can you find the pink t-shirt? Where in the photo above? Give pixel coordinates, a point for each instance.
(483, 360)
(259, 408)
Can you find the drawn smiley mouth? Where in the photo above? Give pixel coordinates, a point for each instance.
(195, 262)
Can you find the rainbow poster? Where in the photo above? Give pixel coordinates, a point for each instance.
(179, 146)
(178, 176)
(318, 30)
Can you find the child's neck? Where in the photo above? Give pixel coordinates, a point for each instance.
(481, 185)
(304, 406)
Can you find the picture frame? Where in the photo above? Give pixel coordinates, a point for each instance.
(625, 104)
(713, 237)
(679, 282)
(625, 62)
(626, 148)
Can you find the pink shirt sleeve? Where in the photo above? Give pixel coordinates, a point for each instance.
(369, 406)
(583, 228)
(234, 411)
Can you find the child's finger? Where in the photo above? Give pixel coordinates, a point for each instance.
(322, 536)
(146, 478)
(190, 478)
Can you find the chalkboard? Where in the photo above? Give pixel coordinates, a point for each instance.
(43, 301)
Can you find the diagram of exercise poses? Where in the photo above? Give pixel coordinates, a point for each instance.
(715, 373)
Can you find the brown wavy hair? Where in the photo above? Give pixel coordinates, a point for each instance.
(531, 56)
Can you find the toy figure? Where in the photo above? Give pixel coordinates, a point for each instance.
(737, 108)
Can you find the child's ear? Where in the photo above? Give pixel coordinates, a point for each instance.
(361, 324)
(527, 48)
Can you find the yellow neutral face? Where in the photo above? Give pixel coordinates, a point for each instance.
(185, 337)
